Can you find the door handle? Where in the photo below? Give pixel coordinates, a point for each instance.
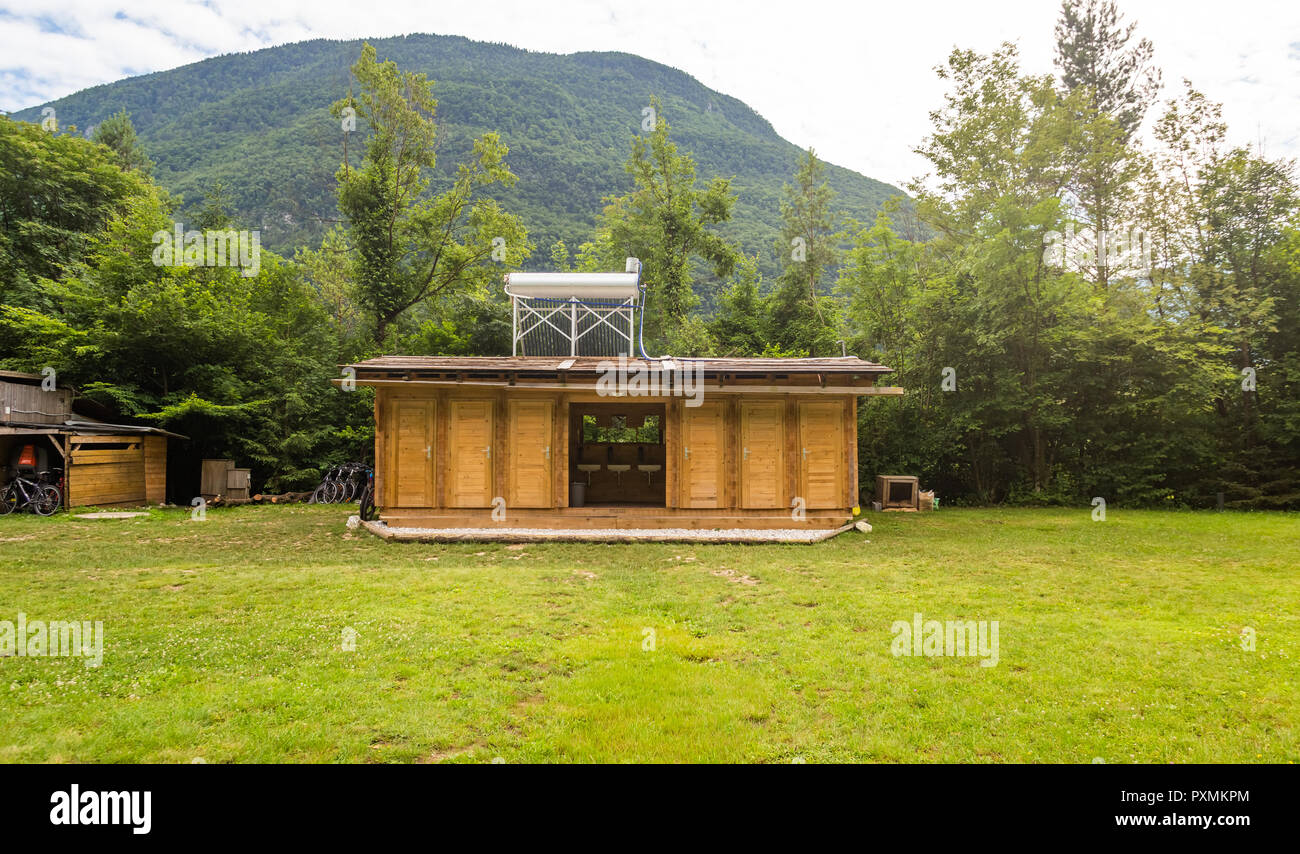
(487, 450)
(547, 452)
(688, 452)
(428, 452)
(745, 456)
(805, 453)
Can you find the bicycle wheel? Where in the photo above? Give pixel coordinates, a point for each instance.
(367, 508)
(8, 500)
(333, 491)
(48, 499)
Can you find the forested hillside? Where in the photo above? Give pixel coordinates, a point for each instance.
(259, 123)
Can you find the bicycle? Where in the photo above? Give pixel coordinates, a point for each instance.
(36, 495)
(342, 484)
(367, 510)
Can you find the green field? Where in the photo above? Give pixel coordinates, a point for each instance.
(1119, 640)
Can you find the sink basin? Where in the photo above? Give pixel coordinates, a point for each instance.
(648, 468)
(588, 467)
(616, 467)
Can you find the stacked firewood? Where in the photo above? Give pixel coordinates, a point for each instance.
(283, 498)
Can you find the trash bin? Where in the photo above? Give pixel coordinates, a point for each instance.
(578, 494)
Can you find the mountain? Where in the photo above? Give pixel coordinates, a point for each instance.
(259, 123)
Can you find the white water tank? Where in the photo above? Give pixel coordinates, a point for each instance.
(605, 286)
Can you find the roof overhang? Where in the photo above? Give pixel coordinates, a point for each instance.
(618, 376)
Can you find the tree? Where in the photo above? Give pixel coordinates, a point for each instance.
(118, 133)
(409, 247)
(667, 223)
(56, 192)
(1093, 52)
(808, 249)
(1112, 84)
(740, 325)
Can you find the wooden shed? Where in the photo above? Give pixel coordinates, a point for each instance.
(707, 443)
(104, 465)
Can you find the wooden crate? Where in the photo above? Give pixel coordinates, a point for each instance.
(889, 489)
(238, 482)
(213, 481)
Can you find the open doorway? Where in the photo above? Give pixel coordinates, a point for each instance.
(617, 454)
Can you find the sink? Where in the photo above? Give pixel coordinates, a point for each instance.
(618, 469)
(649, 472)
(588, 468)
(648, 468)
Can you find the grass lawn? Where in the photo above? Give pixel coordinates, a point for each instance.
(223, 641)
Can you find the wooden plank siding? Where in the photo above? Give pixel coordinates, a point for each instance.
(155, 469)
(106, 470)
(822, 454)
(749, 456)
(530, 439)
(471, 437)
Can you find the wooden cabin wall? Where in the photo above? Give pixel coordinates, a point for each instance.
(106, 470)
(454, 445)
(155, 469)
(31, 404)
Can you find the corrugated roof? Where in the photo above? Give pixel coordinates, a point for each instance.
(594, 364)
(88, 427)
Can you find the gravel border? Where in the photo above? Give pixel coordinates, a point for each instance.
(602, 535)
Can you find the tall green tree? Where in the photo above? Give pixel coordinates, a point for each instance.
(1113, 83)
(1095, 51)
(407, 246)
(118, 133)
(56, 192)
(670, 224)
(808, 249)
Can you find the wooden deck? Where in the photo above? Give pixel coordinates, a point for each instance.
(614, 517)
(748, 534)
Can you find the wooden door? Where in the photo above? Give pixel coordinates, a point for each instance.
(822, 454)
(703, 444)
(411, 471)
(762, 454)
(529, 448)
(469, 440)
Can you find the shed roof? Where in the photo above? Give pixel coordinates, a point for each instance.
(76, 428)
(594, 364)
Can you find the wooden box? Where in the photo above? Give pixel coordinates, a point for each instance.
(237, 483)
(897, 492)
(213, 481)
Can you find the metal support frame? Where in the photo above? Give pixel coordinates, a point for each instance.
(531, 313)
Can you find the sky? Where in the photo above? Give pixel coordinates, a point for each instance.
(853, 79)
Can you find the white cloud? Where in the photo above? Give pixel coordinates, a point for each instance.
(853, 80)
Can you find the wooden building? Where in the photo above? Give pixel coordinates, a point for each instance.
(709, 443)
(104, 465)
